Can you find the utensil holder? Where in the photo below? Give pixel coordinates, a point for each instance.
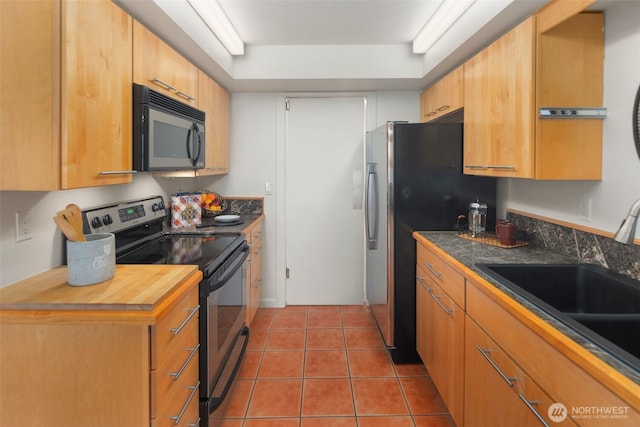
(93, 261)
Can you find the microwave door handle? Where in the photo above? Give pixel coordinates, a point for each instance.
(198, 136)
(189, 145)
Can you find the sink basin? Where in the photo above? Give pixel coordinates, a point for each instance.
(598, 303)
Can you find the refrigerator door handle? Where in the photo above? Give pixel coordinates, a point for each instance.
(371, 210)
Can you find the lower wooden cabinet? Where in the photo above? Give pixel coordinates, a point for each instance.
(497, 392)
(440, 341)
(103, 367)
(254, 273)
(496, 364)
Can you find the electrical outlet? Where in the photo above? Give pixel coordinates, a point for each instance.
(268, 189)
(584, 208)
(23, 226)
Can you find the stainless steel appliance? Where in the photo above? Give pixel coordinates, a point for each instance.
(414, 182)
(138, 226)
(167, 134)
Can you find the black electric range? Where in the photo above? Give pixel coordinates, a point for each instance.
(139, 229)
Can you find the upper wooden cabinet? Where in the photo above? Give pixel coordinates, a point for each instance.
(216, 103)
(444, 97)
(507, 83)
(157, 65)
(66, 94)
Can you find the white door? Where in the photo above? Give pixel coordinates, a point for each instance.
(324, 220)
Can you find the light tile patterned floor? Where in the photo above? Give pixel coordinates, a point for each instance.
(326, 366)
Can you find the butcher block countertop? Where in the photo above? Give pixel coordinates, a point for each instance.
(136, 294)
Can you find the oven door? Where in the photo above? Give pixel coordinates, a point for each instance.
(223, 335)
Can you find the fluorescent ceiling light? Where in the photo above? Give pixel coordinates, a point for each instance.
(214, 17)
(440, 22)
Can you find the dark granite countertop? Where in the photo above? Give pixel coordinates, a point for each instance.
(470, 253)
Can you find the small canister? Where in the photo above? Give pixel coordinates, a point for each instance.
(477, 218)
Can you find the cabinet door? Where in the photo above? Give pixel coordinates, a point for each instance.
(499, 102)
(157, 65)
(497, 392)
(29, 81)
(440, 341)
(96, 93)
(215, 102)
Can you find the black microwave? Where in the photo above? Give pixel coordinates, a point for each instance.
(167, 134)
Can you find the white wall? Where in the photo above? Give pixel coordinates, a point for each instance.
(611, 197)
(19, 260)
(257, 155)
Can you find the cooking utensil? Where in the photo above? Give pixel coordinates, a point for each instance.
(72, 216)
(75, 218)
(65, 227)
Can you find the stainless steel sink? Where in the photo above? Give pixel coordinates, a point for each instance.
(602, 305)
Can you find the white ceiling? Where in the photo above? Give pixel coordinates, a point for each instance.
(322, 22)
(328, 45)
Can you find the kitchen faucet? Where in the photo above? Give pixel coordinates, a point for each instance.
(627, 230)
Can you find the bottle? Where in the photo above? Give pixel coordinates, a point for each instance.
(477, 218)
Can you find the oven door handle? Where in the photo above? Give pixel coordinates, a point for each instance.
(229, 272)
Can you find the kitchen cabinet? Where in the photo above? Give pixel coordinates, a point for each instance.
(507, 83)
(120, 353)
(540, 362)
(66, 95)
(157, 65)
(497, 392)
(254, 279)
(440, 331)
(215, 101)
(444, 97)
(514, 362)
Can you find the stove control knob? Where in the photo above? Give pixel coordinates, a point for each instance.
(107, 219)
(96, 222)
(155, 207)
(161, 205)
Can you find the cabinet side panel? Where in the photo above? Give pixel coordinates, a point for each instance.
(74, 375)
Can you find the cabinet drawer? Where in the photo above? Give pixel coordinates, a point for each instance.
(180, 321)
(256, 233)
(178, 363)
(256, 263)
(492, 376)
(181, 400)
(555, 373)
(448, 279)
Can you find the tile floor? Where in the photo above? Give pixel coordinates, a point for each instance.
(316, 366)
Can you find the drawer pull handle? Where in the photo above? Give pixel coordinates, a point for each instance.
(117, 172)
(444, 107)
(192, 352)
(485, 353)
(163, 84)
(424, 285)
(194, 311)
(196, 423)
(185, 95)
(530, 404)
(475, 166)
(506, 167)
(194, 390)
(430, 268)
(442, 306)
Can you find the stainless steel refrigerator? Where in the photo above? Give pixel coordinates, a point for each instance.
(414, 183)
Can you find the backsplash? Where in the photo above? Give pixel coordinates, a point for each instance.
(244, 206)
(585, 247)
